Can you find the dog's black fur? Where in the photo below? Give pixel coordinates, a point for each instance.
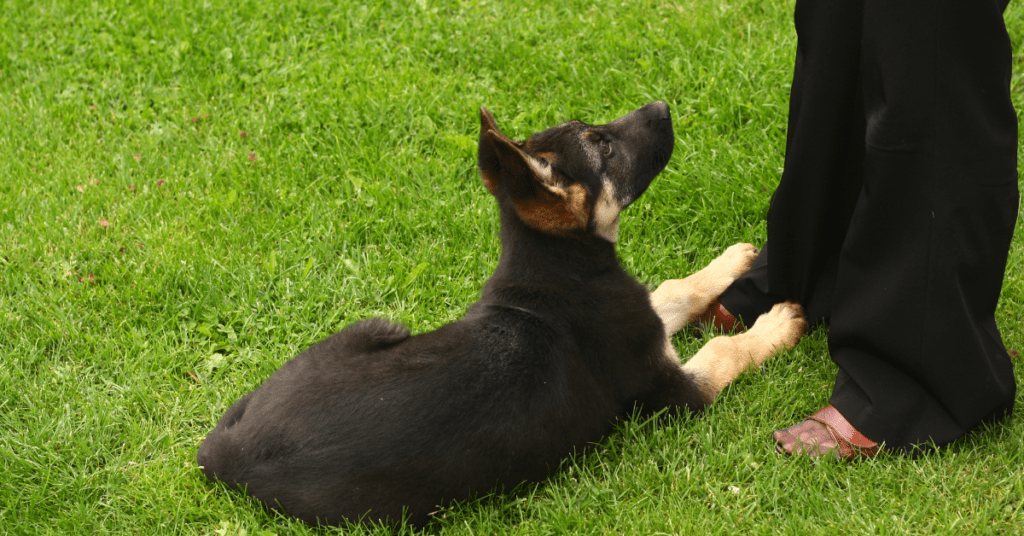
(373, 423)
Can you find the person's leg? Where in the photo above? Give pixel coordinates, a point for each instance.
(919, 275)
(811, 208)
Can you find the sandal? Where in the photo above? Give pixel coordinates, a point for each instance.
(827, 431)
(719, 318)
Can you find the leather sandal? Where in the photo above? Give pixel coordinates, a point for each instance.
(827, 431)
(719, 318)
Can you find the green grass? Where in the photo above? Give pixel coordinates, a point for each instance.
(190, 194)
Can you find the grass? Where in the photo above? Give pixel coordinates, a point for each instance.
(191, 193)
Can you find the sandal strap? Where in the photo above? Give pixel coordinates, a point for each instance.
(850, 442)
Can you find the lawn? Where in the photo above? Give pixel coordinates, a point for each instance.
(191, 193)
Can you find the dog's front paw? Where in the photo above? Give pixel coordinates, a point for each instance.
(735, 262)
(681, 301)
(781, 327)
(728, 266)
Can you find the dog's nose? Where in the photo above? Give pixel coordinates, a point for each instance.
(657, 114)
(661, 110)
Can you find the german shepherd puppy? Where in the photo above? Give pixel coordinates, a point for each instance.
(373, 424)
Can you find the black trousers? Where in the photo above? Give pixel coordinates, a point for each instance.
(895, 211)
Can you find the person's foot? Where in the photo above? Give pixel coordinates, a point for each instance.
(826, 432)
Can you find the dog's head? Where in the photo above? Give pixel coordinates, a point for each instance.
(575, 178)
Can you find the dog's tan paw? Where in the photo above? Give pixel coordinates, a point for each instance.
(680, 301)
(737, 259)
(783, 326)
(724, 358)
(734, 262)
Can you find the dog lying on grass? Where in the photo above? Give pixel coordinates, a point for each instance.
(375, 424)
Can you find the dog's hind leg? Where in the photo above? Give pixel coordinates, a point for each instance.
(679, 302)
(723, 358)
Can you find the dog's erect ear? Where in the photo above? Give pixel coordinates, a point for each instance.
(496, 154)
(527, 182)
(503, 165)
(487, 121)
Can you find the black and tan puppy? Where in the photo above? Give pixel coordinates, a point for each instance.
(373, 423)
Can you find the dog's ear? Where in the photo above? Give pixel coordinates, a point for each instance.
(509, 171)
(503, 165)
(495, 152)
(487, 121)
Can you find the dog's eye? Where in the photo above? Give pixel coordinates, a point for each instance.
(607, 148)
(543, 161)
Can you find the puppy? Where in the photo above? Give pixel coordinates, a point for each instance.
(375, 424)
